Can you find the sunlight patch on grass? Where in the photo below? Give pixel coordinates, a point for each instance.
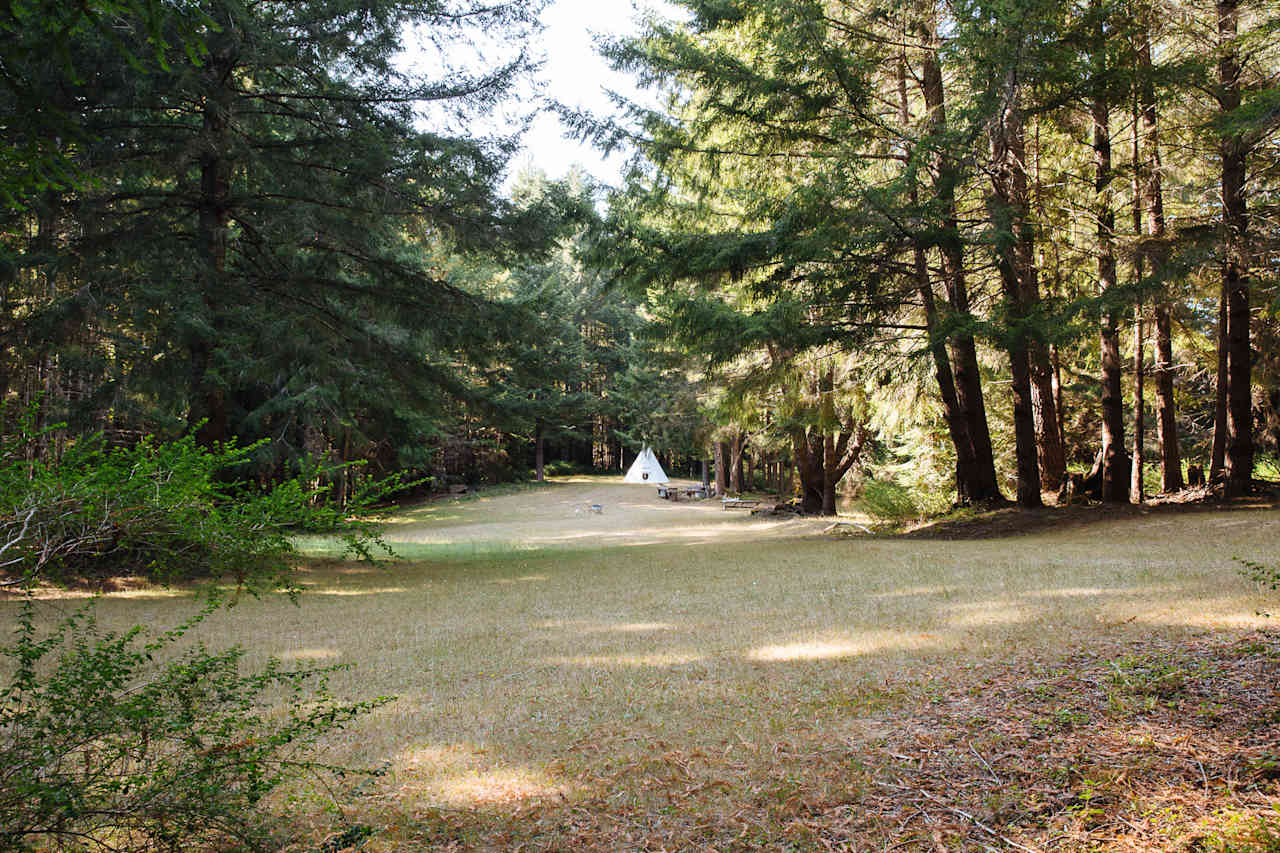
(979, 614)
(607, 627)
(462, 777)
(662, 659)
(369, 590)
(865, 643)
(314, 654)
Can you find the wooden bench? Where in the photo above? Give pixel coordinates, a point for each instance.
(739, 503)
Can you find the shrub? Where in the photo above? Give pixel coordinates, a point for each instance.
(162, 510)
(888, 501)
(116, 742)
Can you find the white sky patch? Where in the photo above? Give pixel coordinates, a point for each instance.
(572, 73)
(579, 77)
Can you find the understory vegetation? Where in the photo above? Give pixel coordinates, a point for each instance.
(137, 739)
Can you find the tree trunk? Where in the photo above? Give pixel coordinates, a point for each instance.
(736, 446)
(208, 412)
(982, 484)
(706, 472)
(722, 468)
(1136, 493)
(1218, 453)
(1139, 425)
(957, 423)
(1115, 474)
(1151, 174)
(809, 467)
(1044, 406)
(1008, 214)
(1235, 273)
(538, 452)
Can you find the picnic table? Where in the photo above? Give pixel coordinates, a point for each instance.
(739, 503)
(668, 492)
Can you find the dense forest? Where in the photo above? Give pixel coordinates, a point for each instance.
(966, 249)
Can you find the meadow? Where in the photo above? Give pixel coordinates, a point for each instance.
(672, 676)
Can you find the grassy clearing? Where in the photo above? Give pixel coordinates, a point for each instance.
(689, 677)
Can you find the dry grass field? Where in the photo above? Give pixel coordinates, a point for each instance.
(672, 676)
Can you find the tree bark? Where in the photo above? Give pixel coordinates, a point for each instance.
(1139, 425)
(982, 484)
(1155, 255)
(1044, 406)
(1235, 273)
(1008, 214)
(722, 468)
(539, 452)
(208, 411)
(953, 414)
(736, 446)
(1115, 472)
(1218, 452)
(1136, 493)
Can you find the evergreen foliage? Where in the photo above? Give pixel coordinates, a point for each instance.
(160, 510)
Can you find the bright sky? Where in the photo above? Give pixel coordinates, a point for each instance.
(578, 77)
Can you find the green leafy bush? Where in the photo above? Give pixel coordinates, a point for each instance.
(162, 510)
(116, 742)
(888, 501)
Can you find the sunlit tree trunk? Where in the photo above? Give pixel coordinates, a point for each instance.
(982, 484)
(953, 414)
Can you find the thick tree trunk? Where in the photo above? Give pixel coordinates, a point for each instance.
(1235, 273)
(809, 467)
(1115, 473)
(982, 484)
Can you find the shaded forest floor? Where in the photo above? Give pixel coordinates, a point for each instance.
(1012, 520)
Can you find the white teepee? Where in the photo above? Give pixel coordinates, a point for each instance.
(645, 469)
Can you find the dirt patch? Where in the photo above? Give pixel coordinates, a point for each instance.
(589, 511)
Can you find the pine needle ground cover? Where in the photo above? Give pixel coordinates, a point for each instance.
(743, 685)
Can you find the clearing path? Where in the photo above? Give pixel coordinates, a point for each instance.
(672, 676)
(559, 514)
